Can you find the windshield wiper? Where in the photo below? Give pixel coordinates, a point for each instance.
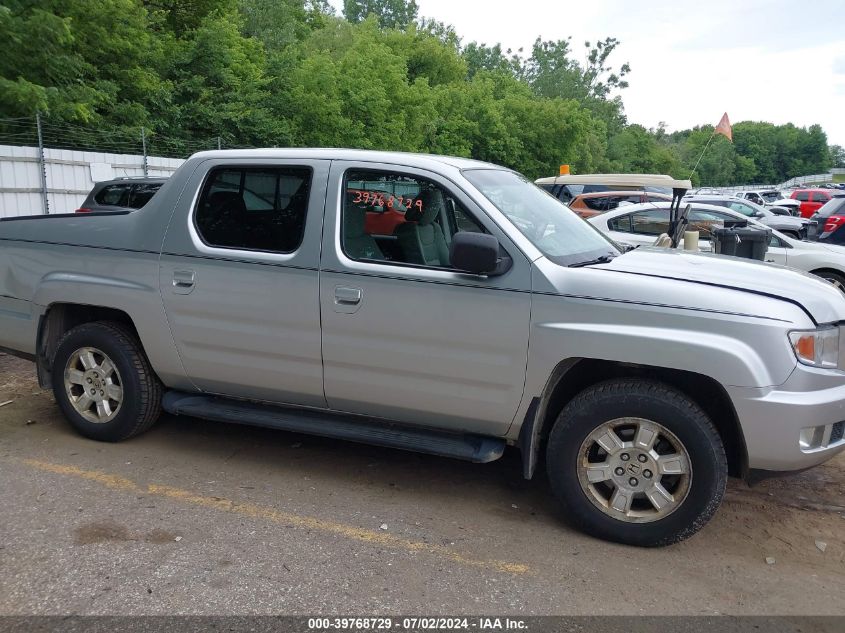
(604, 259)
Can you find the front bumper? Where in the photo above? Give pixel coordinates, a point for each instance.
(795, 425)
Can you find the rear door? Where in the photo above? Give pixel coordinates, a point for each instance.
(239, 279)
(805, 207)
(817, 200)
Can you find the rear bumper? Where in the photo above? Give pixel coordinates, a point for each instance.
(796, 425)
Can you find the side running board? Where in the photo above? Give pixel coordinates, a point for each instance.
(362, 429)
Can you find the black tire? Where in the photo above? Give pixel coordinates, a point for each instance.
(834, 278)
(653, 401)
(141, 390)
(792, 234)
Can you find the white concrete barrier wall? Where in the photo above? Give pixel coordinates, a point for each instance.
(69, 176)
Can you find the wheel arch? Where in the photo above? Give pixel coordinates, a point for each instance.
(573, 375)
(833, 271)
(60, 318)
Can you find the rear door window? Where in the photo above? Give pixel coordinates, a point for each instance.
(818, 196)
(254, 208)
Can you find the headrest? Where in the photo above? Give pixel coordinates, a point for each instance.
(354, 220)
(432, 203)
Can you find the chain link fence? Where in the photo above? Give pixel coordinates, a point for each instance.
(49, 166)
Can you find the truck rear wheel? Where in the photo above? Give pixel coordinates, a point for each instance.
(636, 462)
(103, 382)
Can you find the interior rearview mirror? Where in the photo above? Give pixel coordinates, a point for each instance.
(476, 253)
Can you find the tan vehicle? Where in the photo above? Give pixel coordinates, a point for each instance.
(567, 187)
(588, 205)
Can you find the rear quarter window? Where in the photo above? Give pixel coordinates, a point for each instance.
(141, 194)
(113, 195)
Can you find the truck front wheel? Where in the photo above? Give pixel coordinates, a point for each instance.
(636, 462)
(103, 382)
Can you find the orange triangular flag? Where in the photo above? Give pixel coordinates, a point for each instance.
(724, 128)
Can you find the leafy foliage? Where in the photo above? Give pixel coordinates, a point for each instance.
(290, 72)
(391, 14)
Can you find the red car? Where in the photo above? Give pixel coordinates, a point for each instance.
(384, 211)
(811, 200)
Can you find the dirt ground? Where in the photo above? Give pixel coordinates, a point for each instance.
(196, 517)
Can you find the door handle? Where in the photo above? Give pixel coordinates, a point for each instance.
(347, 296)
(184, 281)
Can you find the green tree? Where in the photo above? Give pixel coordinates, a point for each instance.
(640, 151)
(221, 86)
(182, 16)
(491, 58)
(391, 14)
(80, 65)
(837, 156)
(552, 71)
(277, 23)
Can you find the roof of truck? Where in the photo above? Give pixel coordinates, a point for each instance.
(329, 153)
(617, 180)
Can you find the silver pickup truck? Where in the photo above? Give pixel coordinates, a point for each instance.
(432, 304)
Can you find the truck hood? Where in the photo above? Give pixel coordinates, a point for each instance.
(819, 299)
(786, 221)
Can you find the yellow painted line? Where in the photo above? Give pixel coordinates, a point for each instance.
(267, 513)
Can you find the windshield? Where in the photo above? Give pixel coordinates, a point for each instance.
(771, 196)
(549, 224)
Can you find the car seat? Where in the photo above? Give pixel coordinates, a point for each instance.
(420, 237)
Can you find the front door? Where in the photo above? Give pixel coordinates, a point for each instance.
(405, 336)
(239, 280)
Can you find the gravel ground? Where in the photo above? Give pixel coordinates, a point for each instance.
(196, 517)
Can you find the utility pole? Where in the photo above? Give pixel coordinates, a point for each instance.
(144, 148)
(42, 165)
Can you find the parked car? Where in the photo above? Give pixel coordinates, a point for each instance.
(811, 200)
(771, 198)
(799, 228)
(643, 223)
(831, 218)
(495, 317)
(120, 194)
(567, 187)
(589, 204)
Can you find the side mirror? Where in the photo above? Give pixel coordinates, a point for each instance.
(476, 253)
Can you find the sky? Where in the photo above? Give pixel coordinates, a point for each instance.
(761, 60)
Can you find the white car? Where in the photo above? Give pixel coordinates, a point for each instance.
(641, 224)
(770, 198)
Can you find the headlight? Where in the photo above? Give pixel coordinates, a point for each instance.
(819, 348)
